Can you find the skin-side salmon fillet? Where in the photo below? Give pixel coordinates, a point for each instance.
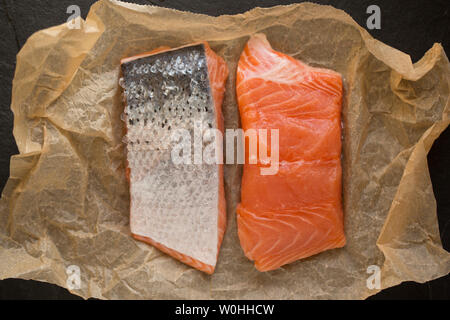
(296, 212)
(196, 236)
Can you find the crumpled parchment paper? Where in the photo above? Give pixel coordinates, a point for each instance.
(66, 201)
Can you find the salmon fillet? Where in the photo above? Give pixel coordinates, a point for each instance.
(296, 212)
(177, 208)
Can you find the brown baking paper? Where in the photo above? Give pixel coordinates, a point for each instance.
(67, 202)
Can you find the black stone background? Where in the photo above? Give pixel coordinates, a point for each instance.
(410, 26)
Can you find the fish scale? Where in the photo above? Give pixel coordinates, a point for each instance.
(175, 207)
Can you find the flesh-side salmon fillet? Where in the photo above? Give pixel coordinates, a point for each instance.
(178, 208)
(296, 212)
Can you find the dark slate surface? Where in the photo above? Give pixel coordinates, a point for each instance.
(411, 26)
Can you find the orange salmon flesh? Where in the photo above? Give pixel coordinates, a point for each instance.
(296, 212)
